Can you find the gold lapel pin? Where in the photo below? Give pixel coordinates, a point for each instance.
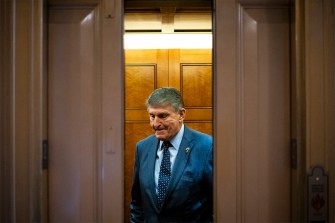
(187, 150)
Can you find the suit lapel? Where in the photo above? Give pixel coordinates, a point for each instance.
(184, 152)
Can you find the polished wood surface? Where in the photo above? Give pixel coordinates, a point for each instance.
(140, 81)
(190, 71)
(195, 81)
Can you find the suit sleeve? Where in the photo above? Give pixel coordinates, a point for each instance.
(136, 209)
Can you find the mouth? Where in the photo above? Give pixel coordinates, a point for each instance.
(159, 130)
(161, 134)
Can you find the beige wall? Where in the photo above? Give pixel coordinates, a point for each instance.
(22, 104)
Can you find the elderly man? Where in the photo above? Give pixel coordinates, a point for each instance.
(173, 177)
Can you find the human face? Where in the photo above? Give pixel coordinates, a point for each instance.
(165, 121)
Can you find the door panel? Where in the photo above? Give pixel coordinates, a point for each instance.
(140, 85)
(195, 81)
(266, 114)
(190, 71)
(85, 110)
(72, 116)
(253, 112)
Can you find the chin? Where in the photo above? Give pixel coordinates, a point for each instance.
(160, 137)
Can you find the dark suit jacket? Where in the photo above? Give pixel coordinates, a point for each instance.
(190, 191)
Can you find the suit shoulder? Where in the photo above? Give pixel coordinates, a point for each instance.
(201, 137)
(148, 140)
(200, 134)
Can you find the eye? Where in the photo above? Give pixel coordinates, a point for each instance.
(163, 116)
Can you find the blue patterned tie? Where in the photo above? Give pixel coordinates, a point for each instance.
(164, 173)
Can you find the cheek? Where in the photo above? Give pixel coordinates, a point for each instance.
(173, 125)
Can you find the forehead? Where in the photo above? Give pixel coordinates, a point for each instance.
(161, 109)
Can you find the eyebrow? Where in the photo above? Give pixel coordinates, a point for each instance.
(159, 114)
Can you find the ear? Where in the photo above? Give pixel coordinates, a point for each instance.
(182, 114)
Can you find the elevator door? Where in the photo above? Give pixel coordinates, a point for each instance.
(85, 141)
(252, 122)
(252, 114)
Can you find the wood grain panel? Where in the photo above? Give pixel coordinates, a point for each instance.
(195, 56)
(140, 56)
(174, 68)
(205, 127)
(160, 57)
(136, 115)
(140, 81)
(196, 84)
(199, 114)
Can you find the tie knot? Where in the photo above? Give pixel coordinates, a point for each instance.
(166, 144)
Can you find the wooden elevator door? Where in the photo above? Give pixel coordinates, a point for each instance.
(190, 71)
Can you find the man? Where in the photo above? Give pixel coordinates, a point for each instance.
(173, 178)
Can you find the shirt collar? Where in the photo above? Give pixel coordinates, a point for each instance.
(175, 141)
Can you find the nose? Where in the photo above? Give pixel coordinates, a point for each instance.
(155, 121)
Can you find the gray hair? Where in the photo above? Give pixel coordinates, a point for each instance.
(166, 96)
